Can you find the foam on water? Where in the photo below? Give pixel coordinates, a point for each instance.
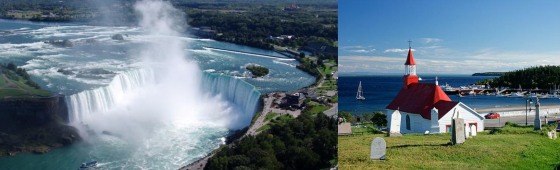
(187, 113)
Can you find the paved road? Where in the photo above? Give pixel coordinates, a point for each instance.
(332, 111)
(516, 119)
(260, 120)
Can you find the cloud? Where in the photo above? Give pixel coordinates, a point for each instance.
(455, 63)
(396, 50)
(362, 51)
(430, 40)
(372, 58)
(433, 57)
(358, 49)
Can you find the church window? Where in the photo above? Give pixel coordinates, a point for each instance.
(407, 122)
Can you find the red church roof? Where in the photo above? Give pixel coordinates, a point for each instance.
(410, 59)
(421, 98)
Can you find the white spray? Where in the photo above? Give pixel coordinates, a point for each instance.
(175, 95)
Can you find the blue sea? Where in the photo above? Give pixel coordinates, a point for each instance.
(379, 91)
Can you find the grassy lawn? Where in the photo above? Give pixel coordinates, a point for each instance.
(2, 81)
(263, 128)
(327, 69)
(31, 89)
(255, 117)
(317, 108)
(10, 92)
(330, 61)
(279, 119)
(484, 151)
(329, 85)
(270, 116)
(327, 88)
(335, 98)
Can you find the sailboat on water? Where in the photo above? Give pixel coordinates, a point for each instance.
(360, 93)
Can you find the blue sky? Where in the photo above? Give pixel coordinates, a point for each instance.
(449, 37)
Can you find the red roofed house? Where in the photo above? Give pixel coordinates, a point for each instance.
(425, 107)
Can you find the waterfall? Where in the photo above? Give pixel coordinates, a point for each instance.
(89, 102)
(100, 100)
(241, 93)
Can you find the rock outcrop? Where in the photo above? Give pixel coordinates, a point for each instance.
(117, 37)
(34, 125)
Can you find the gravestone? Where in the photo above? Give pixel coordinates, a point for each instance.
(395, 127)
(467, 131)
(434, 121)
(473, 130)
(378, 147)
(537, 115)
(458, 131)
(344, 129)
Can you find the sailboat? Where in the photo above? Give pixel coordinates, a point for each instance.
(360, 93)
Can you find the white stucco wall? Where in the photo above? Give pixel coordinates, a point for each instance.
(420, 125)
(468, 115)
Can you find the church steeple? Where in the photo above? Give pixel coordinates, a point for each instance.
(410, 65)
(410, 69)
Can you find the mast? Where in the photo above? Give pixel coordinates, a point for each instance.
(359, 90)
(360, 93)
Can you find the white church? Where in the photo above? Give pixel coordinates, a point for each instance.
(424, 107)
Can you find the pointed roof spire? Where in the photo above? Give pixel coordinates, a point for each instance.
(409, 59)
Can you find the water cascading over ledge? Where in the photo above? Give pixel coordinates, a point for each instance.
(100, 100)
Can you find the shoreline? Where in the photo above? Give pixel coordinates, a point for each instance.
(515, 108)
(201, 163)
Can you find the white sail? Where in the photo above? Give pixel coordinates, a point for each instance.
(360, 93)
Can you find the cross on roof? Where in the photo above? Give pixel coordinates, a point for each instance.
(409, 43)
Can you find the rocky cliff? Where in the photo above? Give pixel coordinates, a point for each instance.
(31, 124)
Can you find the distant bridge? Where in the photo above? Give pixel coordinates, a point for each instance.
(249, 53)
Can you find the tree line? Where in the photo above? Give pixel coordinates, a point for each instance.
(14, 72)
(306, 142)
(377, 118)
(543, 77)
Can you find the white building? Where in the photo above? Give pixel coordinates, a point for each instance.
(425, 107)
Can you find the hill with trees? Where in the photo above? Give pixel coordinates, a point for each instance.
(543, 77)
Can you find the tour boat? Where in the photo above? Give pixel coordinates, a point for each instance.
(88, 165)
(360, 93)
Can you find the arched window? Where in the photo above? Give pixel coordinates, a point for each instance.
(407, 122)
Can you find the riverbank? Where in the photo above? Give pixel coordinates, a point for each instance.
(270, 106)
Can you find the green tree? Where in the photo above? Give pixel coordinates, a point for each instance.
(367, 117)
(320, 62)
(358, 118)
(346, 116)
(379, 119)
